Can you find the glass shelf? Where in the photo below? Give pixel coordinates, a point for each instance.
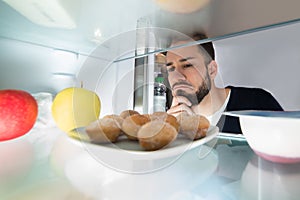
(97, 24)
(217, 38)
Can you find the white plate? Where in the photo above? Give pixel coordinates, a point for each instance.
(180, 178)
(126, 155)
(123, 145)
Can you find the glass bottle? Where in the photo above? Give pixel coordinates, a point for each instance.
(160, 97)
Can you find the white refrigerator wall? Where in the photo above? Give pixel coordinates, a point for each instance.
(36, 68)
(269, 59)
(41, 69)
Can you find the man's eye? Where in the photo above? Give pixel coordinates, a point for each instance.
(187, 65)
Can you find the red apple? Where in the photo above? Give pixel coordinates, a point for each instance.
(18, 113)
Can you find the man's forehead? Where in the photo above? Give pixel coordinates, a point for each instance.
(184, 52)
(181, 41)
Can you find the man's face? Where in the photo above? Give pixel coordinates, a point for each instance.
(187, 74)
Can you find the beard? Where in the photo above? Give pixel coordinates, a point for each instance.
(198, 96)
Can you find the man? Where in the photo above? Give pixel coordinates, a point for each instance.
(191, 74)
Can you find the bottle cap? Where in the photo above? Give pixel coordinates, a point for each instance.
(159, 78)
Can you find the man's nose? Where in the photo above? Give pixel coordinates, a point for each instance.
(178, 73)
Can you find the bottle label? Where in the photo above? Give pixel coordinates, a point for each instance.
(159, 104)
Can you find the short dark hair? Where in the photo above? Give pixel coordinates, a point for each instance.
(208, 46)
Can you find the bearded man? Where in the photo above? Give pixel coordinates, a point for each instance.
(191, 74)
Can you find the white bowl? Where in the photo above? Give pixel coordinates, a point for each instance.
(273, 135)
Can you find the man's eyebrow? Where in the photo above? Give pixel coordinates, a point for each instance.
(169, 63)
(181, 60)
(185, 59)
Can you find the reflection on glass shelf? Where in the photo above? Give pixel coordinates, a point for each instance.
(232, 136)
(262, 179)
(219, 19)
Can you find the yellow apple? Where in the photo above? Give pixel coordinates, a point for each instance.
(75, 107)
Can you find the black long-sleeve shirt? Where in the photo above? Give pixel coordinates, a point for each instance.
(242, 98)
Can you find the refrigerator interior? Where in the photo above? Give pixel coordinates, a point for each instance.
(39, 58)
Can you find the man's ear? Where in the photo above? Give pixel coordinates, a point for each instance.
(212, 69)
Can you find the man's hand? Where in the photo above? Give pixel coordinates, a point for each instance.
(180, 104)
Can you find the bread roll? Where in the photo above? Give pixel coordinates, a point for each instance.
(156, 134)
(132, 124)
(193, 126)
(163, 116)
(127, 113)
(103, 130)
(118, 119)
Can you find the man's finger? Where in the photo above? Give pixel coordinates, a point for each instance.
(182, 100)
(175, 110)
